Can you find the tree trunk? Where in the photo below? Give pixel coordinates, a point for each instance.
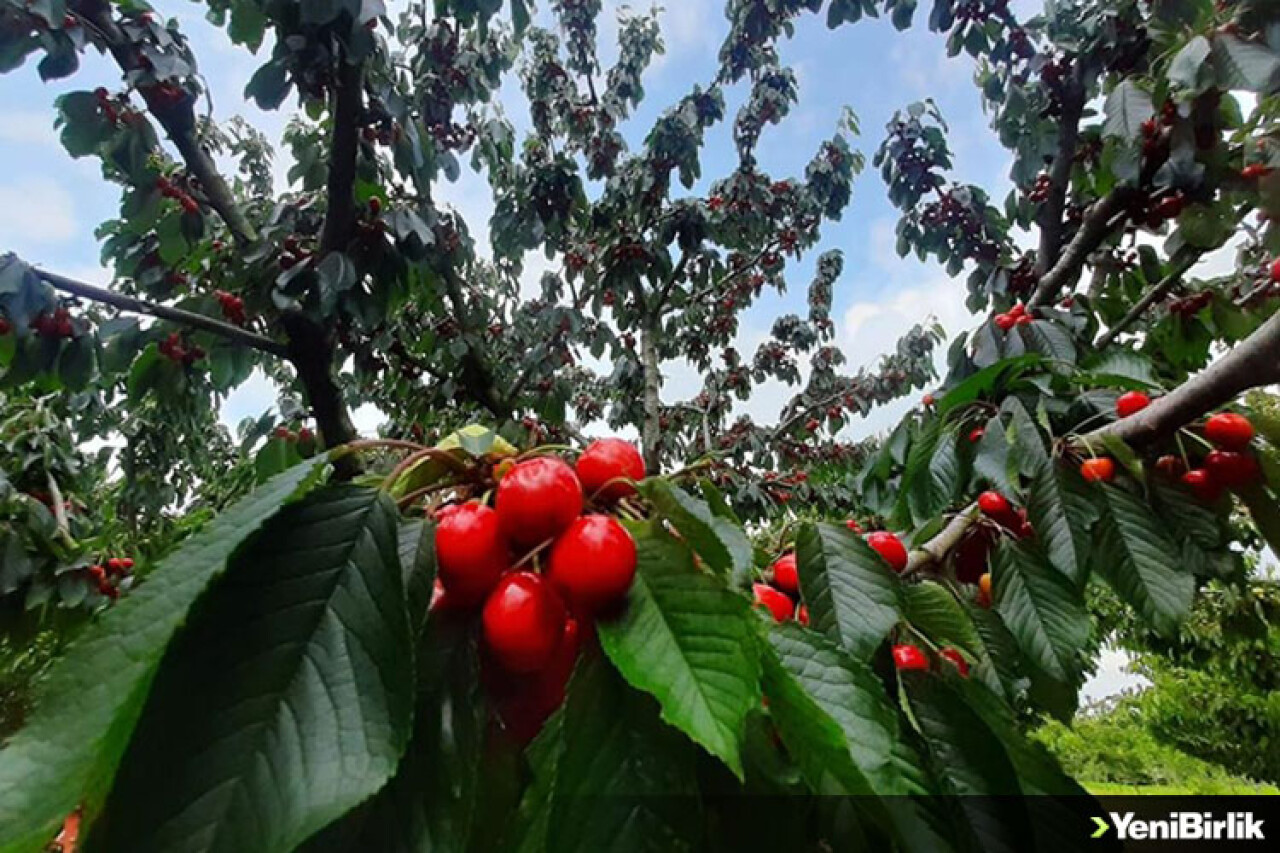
(650, 431)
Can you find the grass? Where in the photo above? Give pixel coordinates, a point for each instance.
(1103, 789)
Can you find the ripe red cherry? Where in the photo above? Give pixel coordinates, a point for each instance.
(853, 525)
(995, 506)
(777, 603)
(471, 553)
(1170, 467)
(523, 622)
(785, 576)
(909, 657)
(976, 434)
(1229, 431)
(927, 399)
(593, 563)
(1201, 483)
(889, 547)
(1025, 320)
(1231, 468)
(1131, 403)
(956, 658)
(1100, 470)
(1275, 270)
(610, 459)
(1005, 322)
(537, 500)
(802, 615)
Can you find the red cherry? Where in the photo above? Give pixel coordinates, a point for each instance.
(538, 499)
(976, 434)
(853, 525)
(375, 205)
(1006, 321)
(785, 576)
(1170, 467)
(470, 552)
(1229, 431)
(1232, 469)
(802, 615)
(1275, 270)
(1131, 402)
(889, 547)
(973, 553)
(927, 399)
(777, 603)
(909, 657)
(593, 563)
(1018, 310)
(523, 621)
(1100, 470)
(995, 506)
(1025, 320)
(1201, 482)
(956, 658)
(609, 459)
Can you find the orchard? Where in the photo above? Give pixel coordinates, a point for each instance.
(552, 606)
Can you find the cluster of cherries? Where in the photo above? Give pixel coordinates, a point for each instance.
(232, 307)
(108, 574)
(1016, 316)
(1228, 466)
(534, 622)
(303, 435)
(169, 189)
(55, 324)
(176, 350)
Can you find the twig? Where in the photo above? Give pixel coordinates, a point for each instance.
(1182, 262)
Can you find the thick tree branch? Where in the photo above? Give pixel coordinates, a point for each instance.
(1051, 217)
(1098, 224)
(651, 426)
(348, 102)
(1252, 363)
(937, 548)
(1184, 260)
(163, 312)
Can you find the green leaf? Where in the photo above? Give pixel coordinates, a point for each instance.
(717, 540)
(993, 460)
(931, 609)
(1249, 65)
(297, 667)
(1043, 610)
(1189, 68)
(69, 750)
(1126, 108)
(1185, 516)
(1062, 514)
(1265, 511)
(1135, 369)
(417, 545)
(938, 485)
(1136, 556)
(851, 592)
(623, 780)
(688, 640)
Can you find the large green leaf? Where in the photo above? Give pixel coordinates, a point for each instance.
(431, 804)
(288, 698)
(851, 592)
(938, 484)
(1062, 515)
(1141, 562)
(1044, 611)
(933, 610)
(717, 540)
(69, 750)
(690, 641)
(417, 545)
(623, 780)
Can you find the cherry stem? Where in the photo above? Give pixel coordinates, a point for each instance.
(545, 449)
(532, 554)
(408, 462)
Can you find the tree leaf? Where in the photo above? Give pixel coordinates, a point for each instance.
(1062, 515)
(719, 541)
(851, 592)
(69, 750)
(1126, 108)
(688, 640)
(297, 667)
(1141, 563)
(933, 489)
(1043, 610)
(623, 780)
(933, 610)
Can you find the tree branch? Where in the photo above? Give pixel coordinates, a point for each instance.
(937, 548)
(1252, 363)
(1184, 260)
(340, 217)
(163, 312)
(1050, 219)
(1095, 228)
(476, 374)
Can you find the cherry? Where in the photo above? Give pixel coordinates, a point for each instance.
(976, 434)
(908, 657)
(1170, 467)
(927, 400)
(1025, 320)
(785, 576)
(889, 547)
(471, 554)
(984, 590)
(1131, 403)
(1006, 321)
(375, 205)
(1201, 482)
(779, 604)
(811, 425)
(1274, 270)
(606, 460)
(5, 326)
(1229, 431)
(1231, 468)
(956, 658)
(973, 553)
(538, 499)
(523, 621)
(1254, 171)
(1099, 470)
(995, 506)
(802, 615)
(593, 563)
(853, 525)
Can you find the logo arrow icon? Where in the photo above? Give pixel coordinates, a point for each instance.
(1102, 825)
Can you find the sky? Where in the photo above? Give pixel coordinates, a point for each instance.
(50, 204)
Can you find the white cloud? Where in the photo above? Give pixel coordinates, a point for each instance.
(36, 211)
